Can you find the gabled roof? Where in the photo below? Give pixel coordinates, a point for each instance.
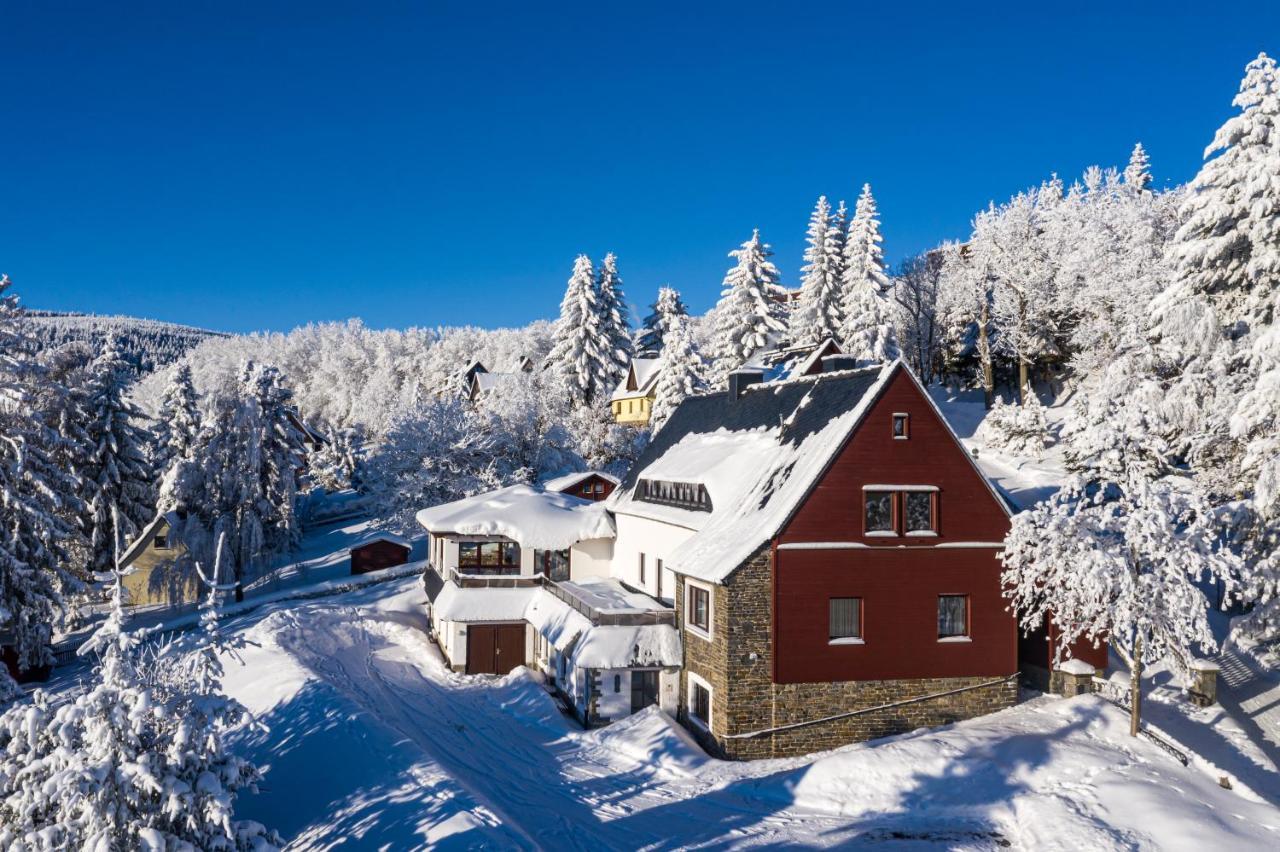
(782, 363)
(383, 536)
(568, 481)
(157, 525)
(643, 374)
(758, 456)
(529, 516)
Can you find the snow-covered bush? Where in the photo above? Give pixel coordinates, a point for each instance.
(333, 465)
(1019, 430)
(127, 765)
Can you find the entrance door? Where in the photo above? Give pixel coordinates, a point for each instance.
(494, 648)
(644, 690)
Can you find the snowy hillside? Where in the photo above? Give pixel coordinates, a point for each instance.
(146, 344)
(374, 743)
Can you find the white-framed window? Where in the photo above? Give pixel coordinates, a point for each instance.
(697, 609)
(698, 698)
(844, 621)
(901, 426)
(642, 571)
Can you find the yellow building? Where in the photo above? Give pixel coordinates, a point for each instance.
(632, 400)
(149, 560)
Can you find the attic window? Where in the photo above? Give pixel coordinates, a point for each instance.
(901, 427)
(683, 495)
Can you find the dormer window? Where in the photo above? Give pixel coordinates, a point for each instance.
(684, 495)
(901, 427)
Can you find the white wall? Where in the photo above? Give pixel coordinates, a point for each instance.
(614, 705)
(591, 558)
(656, 540)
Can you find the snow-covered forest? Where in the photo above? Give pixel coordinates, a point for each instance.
(1148, 317)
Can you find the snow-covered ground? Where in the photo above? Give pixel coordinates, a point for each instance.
(374, 743)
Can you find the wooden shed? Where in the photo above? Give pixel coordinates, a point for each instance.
(381, 550)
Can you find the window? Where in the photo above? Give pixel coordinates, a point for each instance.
(162, 541)
(953, 617)
(919, 511)
(489, 557)
(698, 603)
(617, 684)
(901, 427)
(685, 495)
(641, 569)
(554, 564)
(879, 512)
(657, 576)
(699, 701)
(845, 622)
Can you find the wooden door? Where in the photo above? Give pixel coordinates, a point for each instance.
(508, 648)
(494, 648)
(481, 644)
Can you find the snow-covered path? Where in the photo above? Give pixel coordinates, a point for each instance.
(374, 744)
(1252, 695)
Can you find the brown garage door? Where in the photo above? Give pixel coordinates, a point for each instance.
(494, 648)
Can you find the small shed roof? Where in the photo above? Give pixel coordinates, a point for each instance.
(569, 480)
(383, 536)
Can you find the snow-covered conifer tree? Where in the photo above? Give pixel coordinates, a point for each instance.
(39, 502)
(178, 419)
(579, 359)
(124, 765)
(333, 465)
(1119, 551)
(280, 453)
(1138, 173)
(615, 322)
(818, 315)
(681, 373)
(1020, 430)
(867, 331)
(666, 311)
(117, 475)
(750, 313)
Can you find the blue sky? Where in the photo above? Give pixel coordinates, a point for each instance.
(259, 166)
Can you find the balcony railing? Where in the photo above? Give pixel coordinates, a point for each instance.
(607, 616)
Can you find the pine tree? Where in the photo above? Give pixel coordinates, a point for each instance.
(127, 764)
(750, 313)
(178, 419)
(818, 315)
(615, 322)
(1138, 173)
(38, 498)
(117, 474)
(666, 312)
(280, 454)
(681, 373)
(867, 330)
(578, 360)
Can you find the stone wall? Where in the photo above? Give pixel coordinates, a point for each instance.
(737, 663)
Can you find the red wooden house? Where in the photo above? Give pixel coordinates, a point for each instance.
(836, 562)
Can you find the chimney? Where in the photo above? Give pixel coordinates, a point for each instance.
(835, 363)
(740, 380)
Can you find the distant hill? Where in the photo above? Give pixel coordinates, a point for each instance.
(148, 344)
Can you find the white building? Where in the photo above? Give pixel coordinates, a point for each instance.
(520, 576)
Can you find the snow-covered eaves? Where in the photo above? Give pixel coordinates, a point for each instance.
(455, 603)
(758, 456)
(531, 517)
(162, 521)
(613, 646)
(568, 481)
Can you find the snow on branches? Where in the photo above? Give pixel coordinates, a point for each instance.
(750, 312)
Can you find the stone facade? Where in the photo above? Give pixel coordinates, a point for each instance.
(737, 663)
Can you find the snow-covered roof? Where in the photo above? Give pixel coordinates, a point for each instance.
(779, 364)
(455, 603)
(645, 371)
(555, 620)
(146, 536)
(757, 456)
(383, 536)
(606, 594)
(532, 517)
(485, 382)
(564, 483)
(617, 646)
